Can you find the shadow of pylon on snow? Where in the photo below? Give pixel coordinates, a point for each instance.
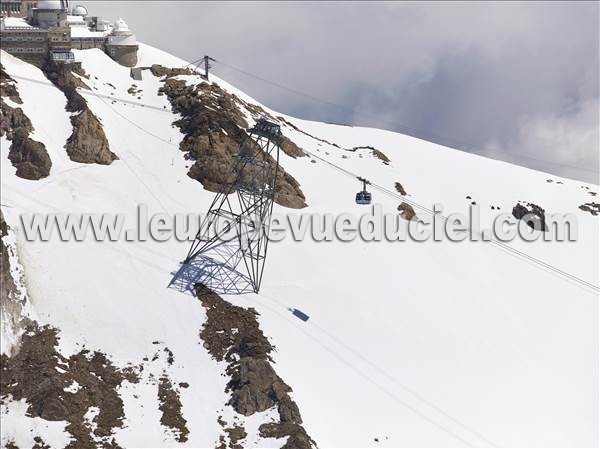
(216, 269)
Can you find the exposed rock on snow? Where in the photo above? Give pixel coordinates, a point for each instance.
(235, 434)
(134, 90)
(12, 120)
(160, 71)
(406, 211)
(537, 219)
(379, 155)
(254, 385)
(592, 208)
(400, 188)
(62, 76)
(28, 156)
(291, 149)
(7, 87)
(214, 125)
(170, 407)
(88, 143)
(40, 374)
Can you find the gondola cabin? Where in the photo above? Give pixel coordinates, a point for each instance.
(363, 197)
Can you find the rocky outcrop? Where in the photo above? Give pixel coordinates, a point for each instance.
(8, 88)
(375, 152)
(59, 388)
(236, 434)
(169, 72)
(135, 91)
(12, 120)
(400, 189)
(406, 211)
(232, 334)
(214, 128)
(255, 386)
(28, 156)
(291, 149)
(534, 214)
(381, 156)
(231, 103)
(592, 208)
(62, 76)
(88, 143)
(170, 407)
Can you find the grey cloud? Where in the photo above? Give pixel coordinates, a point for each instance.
(503, 79)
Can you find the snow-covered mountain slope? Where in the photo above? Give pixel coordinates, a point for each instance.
(408, 343)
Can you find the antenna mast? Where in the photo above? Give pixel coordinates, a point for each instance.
(207, 65)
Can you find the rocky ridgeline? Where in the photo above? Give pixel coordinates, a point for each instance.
(28, 156)
(232, 334)
(88, 143)
(375, 152)
(214, 128)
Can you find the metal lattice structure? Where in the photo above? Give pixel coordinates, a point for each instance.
(236, 226)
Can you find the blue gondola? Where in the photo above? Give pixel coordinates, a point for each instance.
(363, 197)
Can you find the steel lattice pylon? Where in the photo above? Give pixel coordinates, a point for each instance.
(239, 216)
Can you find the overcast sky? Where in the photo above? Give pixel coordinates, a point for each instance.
(515, 81)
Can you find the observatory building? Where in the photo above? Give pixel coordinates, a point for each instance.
(122, 45)
(43, 30)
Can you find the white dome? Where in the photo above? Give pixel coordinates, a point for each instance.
(121, 25)
(50, 4)
(79, 10)
(122, 35)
